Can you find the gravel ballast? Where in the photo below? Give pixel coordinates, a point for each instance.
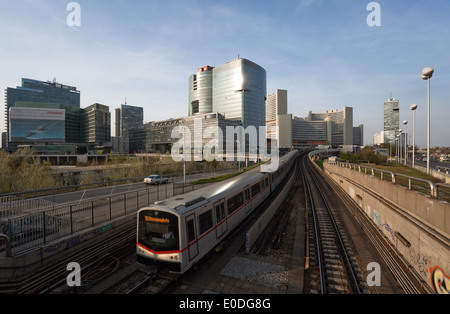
(271, 275)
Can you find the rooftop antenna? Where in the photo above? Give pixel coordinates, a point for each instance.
(125, 100)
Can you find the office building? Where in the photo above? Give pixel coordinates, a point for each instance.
(339, 125)
(97, 125)
(332, 128)
(378, 138)
(126, 119)
(72, 125)
(239, 92)
(236, 90)
(38, 92)
(358, 135)
(277, 118)
(158, 135)
(391, 120)
(307, 134)
(200, 91)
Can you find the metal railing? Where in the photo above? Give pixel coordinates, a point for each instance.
(439, 191)
(23, 232)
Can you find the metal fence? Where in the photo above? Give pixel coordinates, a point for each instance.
(440, 191)
(22, 231)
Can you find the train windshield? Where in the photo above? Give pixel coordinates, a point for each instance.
(158, 231)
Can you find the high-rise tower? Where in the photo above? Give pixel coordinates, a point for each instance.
(391, 119)
(200, 91)
(236, 89)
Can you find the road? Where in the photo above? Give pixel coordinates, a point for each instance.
(83, 195)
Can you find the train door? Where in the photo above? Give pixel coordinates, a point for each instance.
(221, 222)
(247, 202)
(191, 236)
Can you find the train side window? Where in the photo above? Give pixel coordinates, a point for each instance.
(256, 188)
(220, 212)
(247, 194)
(205, 221)
(235, 202)
(267, 181)
(190, 230)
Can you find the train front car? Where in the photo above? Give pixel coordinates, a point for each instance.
(158, 238)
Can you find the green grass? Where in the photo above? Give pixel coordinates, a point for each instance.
(319, 163)
(406, 170)
(225, 176)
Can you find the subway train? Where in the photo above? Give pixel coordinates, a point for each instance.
(179, 231)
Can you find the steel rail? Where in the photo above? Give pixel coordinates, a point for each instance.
(402, 273)
(316, 229)
(341, 242)
(351, 275)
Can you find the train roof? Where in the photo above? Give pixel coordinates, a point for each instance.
(185, 202)
(283, 159)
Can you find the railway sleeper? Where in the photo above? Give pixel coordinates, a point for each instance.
(338, 288)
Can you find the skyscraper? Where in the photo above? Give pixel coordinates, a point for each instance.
(200, 91)
(276, 112)
(239, 92)
(97, 124)
(391, 119)
(39, 92)
(236, 89)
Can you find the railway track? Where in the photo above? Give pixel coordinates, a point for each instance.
(331, 265)
(402, 272)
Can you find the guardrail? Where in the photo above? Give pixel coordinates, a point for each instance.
(439, 191)
(443, 170)
(23, 232)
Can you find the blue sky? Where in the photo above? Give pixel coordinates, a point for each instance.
(321, 51)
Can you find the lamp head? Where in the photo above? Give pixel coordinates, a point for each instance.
(413, 107)
(427, 73)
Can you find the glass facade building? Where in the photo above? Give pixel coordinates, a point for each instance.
(97, 124)
(158, 135)
(236, 90)
(239, 92)
(127, 118)
(391, 120)
(200, 91)
(38, 92)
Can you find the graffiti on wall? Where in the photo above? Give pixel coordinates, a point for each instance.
(377, 219)
(439, 280)
(73, 241)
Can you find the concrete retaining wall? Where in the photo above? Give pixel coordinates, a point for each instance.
(417, 225)
(258, 227)
(15, 270)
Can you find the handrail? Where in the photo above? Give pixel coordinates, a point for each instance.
(437, 185)
(394, 176)
(8, 244)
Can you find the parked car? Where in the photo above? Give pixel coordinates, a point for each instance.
(156, 179)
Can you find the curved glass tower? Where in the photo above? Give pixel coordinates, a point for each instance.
(236, 89)
(239, 92)
(200, 91)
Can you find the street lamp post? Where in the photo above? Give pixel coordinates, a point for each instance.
(427, 73)
(406, 136)
(413, 108)
(400, 146)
